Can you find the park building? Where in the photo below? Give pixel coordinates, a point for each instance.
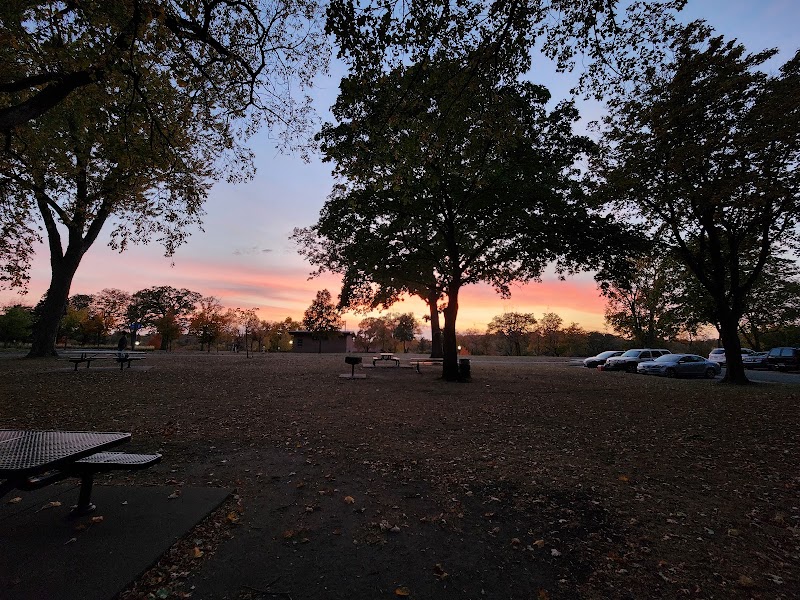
(307, 341)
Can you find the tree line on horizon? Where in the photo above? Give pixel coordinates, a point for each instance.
(641, 314)
(452, 165)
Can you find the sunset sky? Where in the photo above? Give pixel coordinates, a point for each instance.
(245, 258)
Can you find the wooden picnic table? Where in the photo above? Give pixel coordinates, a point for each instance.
(385, 356)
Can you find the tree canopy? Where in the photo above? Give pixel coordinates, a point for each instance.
(236, 56)
(612, 39)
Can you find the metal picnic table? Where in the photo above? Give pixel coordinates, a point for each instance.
(32, 459)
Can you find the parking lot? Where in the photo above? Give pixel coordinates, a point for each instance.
(764, 376)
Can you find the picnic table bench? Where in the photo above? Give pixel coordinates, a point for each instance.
(385, 356)
(425, 361)
(80, 356)
(30, 460)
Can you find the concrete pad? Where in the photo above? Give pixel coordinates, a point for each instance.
(45, 555)
(104, 368)
(356, 376)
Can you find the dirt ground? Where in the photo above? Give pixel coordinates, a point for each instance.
(535, 480)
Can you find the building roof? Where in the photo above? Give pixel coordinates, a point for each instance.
(306, 332)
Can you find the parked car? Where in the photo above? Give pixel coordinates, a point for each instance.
(784, 358)
(595, 361)
(718, 355)
(756, 360)
(681, 365)
(628, 360)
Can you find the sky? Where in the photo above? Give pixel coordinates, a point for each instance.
(244, 256)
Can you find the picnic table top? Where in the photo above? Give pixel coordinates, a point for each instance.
(27, 452)
(102, 351)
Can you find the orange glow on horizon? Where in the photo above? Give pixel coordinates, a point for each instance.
(278, 285)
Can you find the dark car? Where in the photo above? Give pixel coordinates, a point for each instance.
(784, 359)
(628, 360)
(680, 365)
(595, 361)
(756, 360)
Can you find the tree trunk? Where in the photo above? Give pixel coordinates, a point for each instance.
(729, 333)
(64, 263)
(449, 342)
(436, 329)
(53, 308)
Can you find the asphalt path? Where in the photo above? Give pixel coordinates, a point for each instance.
(771, 376)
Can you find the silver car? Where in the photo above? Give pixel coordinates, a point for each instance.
(718, 355)
(680, 365)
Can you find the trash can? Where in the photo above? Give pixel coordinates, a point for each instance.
(463, 369)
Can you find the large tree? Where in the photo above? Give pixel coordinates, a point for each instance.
(642, 297)
(95, 161)
(123, 114)
(166, 309)
(448, 176)
(774, 303)
(16, 324)
(322, 319)
(207, 322)
(406, 327)
(112, 304)
(513, 331)
(708, 153)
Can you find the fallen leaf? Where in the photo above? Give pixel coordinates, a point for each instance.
(438, 571)
(745, 581)
(623, 478)
(351, 500)
(232, 517)
(71, 541)
(15, 499)
(98, 519)
(402, 591)
(175, 494)
(539, 543)
(53, 504)
(197, 553)
(543, 595)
